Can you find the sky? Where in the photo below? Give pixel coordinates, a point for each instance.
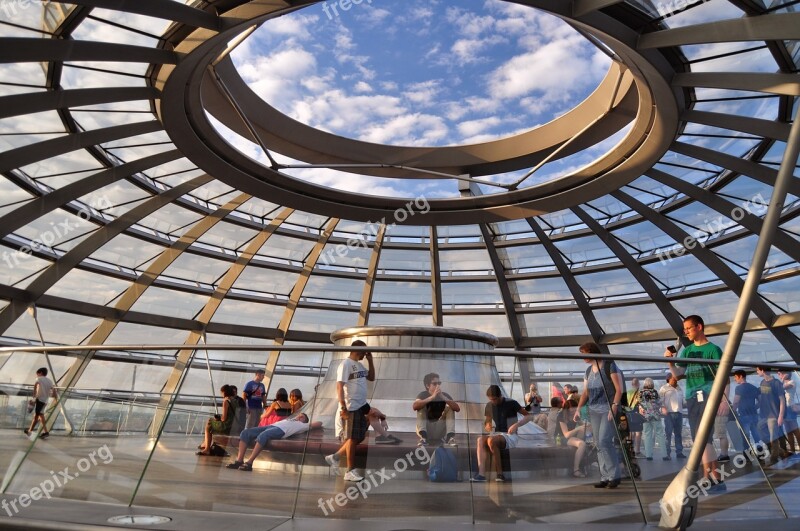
(420, 73)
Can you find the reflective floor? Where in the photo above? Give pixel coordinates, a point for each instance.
(93, 478)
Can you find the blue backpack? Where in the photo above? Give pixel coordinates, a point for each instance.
(443, 467)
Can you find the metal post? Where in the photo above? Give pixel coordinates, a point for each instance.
(675, 514)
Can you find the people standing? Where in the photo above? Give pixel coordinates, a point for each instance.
(602, 390)
(771, 411)
(745, 404)
(788, 378)
(699, 380)
(672, 399)
(255, 396)
(651, 408)
(351, 391)
(43, 390)
(635, 424)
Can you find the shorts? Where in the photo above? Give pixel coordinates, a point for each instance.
(219, 427)
(356, 424)
(694, 411)
(721, 427)
(512, 440)
(40, 407)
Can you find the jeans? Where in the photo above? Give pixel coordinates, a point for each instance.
(673, 426)
(262, 435)
(607, 454)
(750, 428)
(653, 431)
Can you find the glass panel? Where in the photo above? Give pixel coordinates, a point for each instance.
(170, 302)
(716, 307)
(333, 290)
(89, 287)
(402, 294)
(57, 327)
(465, 262)
(555, 324)
(262, 280)
(541, 291)
(471, 294)
(403, 261)
(324, 321)
(630, 318)
(248, 313)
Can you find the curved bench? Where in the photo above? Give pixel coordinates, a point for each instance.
(315, 445)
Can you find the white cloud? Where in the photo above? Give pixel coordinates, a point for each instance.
(475, 127)
(362, 87)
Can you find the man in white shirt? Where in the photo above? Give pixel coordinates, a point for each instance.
(43, 389)
(282, 429)
(672, 398)
(351, 390)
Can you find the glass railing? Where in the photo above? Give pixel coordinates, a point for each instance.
(127, 448)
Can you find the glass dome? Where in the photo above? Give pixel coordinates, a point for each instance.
(150, 196)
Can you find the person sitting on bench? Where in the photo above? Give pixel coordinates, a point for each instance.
(263, 434)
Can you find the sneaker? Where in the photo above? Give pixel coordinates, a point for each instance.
(449, 441)
(666, 458)
(680, 456)
(45, 435)
(235, 465)
(477, 478)
(383, 439)
(423, 442)
(613, 484)
(246, 467)
(500, 478)
(601, 485)
(26, 432)
(332, 460)
(352, 475)
(723, 459)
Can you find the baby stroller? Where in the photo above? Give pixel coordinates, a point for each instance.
(625, 444)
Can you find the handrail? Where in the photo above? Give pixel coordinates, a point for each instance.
(507, 353)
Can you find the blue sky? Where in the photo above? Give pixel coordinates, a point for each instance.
(420, 73)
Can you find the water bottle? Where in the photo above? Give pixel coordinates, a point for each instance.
(558, 439)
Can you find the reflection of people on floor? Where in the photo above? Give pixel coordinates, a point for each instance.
(279, 409)
(499, 410)
(575, 435)
(435, 412)
(232, 419)
(282, 429)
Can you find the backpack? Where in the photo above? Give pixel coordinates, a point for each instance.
(607, 368)
(443, 467)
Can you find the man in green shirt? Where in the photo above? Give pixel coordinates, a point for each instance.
(699, 379)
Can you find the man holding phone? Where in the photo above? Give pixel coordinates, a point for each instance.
(699, 379)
